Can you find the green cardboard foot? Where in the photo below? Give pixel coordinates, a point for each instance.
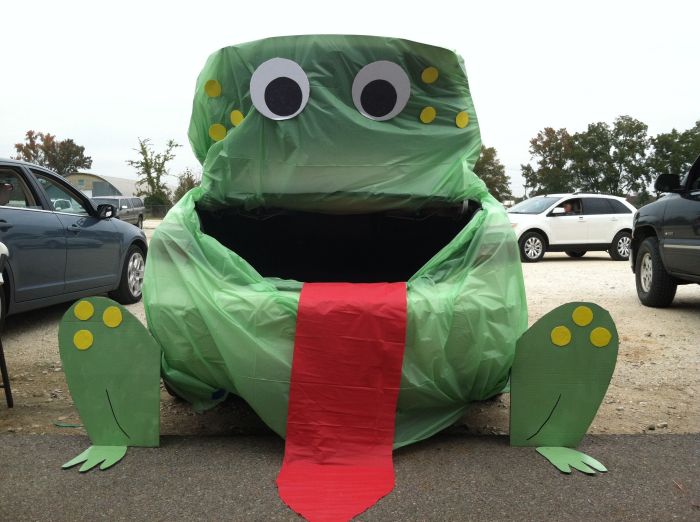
(112, 367)
(562, 368)
(566, 458)
(108, 456)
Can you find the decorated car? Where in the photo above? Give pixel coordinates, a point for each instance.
(342, 269)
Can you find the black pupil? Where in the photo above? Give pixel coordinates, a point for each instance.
(378, 98)
(283, 96)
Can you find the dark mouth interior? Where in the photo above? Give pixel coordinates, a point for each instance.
(354, 248)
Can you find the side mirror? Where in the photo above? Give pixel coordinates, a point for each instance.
(558, 211)
(667, 183)
(105, 211)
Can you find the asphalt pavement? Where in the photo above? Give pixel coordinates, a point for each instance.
(449, 477)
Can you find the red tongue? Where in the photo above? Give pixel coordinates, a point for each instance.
(346, 372)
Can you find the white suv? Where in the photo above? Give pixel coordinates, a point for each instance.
(572, 223)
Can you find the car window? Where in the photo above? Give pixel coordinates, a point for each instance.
(14, 191)
(61, 198)
(572, 207)
(136, 202)
(124, 203)
(618, 206)
(593, 206)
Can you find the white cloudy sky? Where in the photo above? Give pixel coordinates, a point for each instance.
(105, 73)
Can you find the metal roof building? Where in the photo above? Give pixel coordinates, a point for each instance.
(94, 185)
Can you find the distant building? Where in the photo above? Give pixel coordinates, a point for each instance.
(93, 185)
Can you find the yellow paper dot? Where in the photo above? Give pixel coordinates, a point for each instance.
(217, 132)
(212, 88)
(462, 119)
(82, 339)
(429, 75)
(427, 115)
(561, 336)
(582, 316)
(112, 317)
(600, 337)
(236, 117)
(84, 310)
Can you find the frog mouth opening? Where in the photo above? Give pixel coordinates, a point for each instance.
(387, 246)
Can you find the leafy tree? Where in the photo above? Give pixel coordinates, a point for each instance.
(629, 155)
(551, 151)
(592, 166)
(63, 157)
(151, 167)
(187, 180)
(490, 169)
(674, 152)
(612, 160)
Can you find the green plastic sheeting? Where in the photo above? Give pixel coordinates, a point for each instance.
(330, 157)
(225, 328)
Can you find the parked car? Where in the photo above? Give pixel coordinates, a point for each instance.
(666, 239)
(61, 246)
(572, 223)
(130, 210)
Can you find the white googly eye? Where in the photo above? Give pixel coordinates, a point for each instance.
(279, 89)
(381, 90)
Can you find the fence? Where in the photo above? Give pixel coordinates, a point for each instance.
(157, 211)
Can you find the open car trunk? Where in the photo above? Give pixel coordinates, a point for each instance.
(353, 248)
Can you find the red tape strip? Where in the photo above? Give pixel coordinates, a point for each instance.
(346, 372)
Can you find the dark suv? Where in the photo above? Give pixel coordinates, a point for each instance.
(666, 239)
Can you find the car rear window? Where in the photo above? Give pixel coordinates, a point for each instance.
(597, 206)
(619, 207)
(13, 190)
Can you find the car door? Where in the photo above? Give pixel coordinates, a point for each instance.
(568, 228)
(93, 245)
(601, 219)
(681, 232)
(34, 237)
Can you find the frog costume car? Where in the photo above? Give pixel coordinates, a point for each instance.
(324, 171)
(338, 158)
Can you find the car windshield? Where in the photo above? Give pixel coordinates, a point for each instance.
(533, 206)
(105, 201)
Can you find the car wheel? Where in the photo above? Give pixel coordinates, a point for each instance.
(532, 247)
(139, 223)
(131, 282)
(620, 246)
(654, 286)
(576, 253)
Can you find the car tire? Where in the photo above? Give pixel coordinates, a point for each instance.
(620, 246)
(576, 253)
(139, 223)
(654, 286)
(532, 247)
(131, 283)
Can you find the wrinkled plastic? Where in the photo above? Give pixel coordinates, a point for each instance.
(330, 157)
(225, 328)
